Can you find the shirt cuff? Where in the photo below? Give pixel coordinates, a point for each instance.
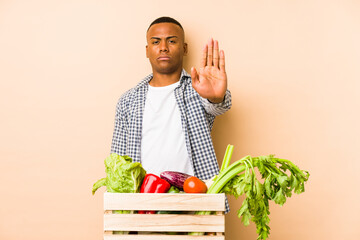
(217, 108)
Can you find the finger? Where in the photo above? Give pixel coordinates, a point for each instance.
(222, 61)
(203, 57)
(210, 53)
(216, 54)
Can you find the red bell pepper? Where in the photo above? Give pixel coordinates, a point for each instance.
(153, 184)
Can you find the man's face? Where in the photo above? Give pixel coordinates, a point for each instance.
(165, 47)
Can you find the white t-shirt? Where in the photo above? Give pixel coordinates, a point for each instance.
(163, 145)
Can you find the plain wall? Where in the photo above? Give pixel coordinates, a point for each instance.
(293, 70)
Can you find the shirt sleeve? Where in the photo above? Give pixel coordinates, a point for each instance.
(118, 144)
(216, 109)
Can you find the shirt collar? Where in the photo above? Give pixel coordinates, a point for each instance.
(183, 77)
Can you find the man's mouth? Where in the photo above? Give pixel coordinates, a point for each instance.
(164, 58)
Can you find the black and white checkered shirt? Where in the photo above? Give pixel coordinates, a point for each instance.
(197, 118)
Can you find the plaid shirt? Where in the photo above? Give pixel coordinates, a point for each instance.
(197, 118)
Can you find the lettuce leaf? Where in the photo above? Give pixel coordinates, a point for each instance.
(122, 175)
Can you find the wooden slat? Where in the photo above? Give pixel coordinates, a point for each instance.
(164, 222)
(162, 237)
(219, 214)
(164, 201)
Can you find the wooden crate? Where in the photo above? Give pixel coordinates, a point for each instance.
(158, 224)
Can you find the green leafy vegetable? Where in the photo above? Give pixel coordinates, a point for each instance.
(122, 175)
(281, 178)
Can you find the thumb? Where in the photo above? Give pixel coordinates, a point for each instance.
(194, 77)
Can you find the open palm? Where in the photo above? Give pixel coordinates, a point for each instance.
(211, 80)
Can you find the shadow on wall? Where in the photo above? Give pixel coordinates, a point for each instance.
(227, 129)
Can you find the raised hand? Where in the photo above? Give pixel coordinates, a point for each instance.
(211, 80)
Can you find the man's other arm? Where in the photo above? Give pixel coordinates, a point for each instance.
(118, 144)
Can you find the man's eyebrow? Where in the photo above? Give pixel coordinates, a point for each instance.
(157, 38)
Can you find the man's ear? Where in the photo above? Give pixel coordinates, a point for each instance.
(185, 49)
(147, 51)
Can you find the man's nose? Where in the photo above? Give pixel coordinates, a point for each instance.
(164, 46)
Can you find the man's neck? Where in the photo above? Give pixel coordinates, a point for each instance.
(162, 80)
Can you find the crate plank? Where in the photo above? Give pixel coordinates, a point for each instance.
(164, 222)
(164, 201)
(162, 237)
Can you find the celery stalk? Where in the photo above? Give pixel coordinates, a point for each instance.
(227, 157)
(220, 182)
(239, 178)
(225, 171)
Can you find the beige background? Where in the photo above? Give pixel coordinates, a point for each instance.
(293, 69)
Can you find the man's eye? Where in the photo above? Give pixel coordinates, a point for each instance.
(172, 41)
(155, 42)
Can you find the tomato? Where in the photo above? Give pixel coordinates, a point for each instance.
(194, 185)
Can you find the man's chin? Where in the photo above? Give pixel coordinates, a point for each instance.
(167, 70)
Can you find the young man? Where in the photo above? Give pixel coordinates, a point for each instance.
(165, 121)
